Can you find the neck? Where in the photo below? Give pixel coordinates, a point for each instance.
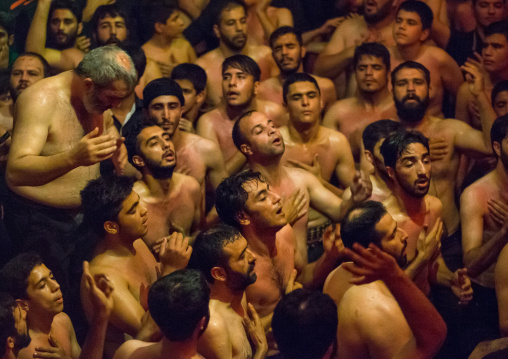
(157, 187)
(261, 241)
(383, 23)
(40, 322)
(379, 181)
(232, 298)
(270, 168)
(409, 52)
(498, 76)
(161, 41)
(303, 133)
(177, 138)
(114, 243)
(283, 77)
(409, 204)
(418, 126)
(234, 113)
(227, 52)
(374, 99)
(180, 350)
(480, 31)
(502, 174)
(192, 114)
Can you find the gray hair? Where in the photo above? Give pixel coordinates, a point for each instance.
(102, 65)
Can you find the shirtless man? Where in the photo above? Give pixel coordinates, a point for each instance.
(373, 101)
(28, 68)
(288, 52)
(375, 25)
(410, 82)
(307, 145)
(173, 199)
(240, 84)
(263, 20)
(13, 329)
(60, 137)
(192, 79)
(66, 56)
(500, 98)
(197, 156)
(261, 142)
(411, 29)
(178, 304)
(230, 27)
(384, 294)
(223, 256)
(38, 297)
(484, 236)
(167, 47)
(114, 212)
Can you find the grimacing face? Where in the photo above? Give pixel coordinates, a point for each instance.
(413, 170)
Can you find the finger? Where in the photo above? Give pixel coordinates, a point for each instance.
(254, 315)
(92, 134)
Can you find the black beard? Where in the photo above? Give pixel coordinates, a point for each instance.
(412, 113)
(402, 259)
(158, 171)
(504, 159)
(233, 45)
(381, 14)
(21, 341)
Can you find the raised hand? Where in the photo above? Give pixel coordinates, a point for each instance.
(498, 211)
(361, 187)
(332, 243)
(314, 168)
(93, 148)
(175, 253)
(295, 206)
(292, 284)
(54, 351)
(429, 242)
(99, 291)
(438, 149)
(461, 286)
(255, 329)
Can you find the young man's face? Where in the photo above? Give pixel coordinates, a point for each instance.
(263, 207)
(166, 112)
(412, 170)
(238, 87)
(189, 94)
(43, 291)
(156, 149)
(288, 53)
(132, 219)
(495, 53)
(394, 239)
(264, 139)
(407, 29)
(232, 28)
(303, 103)
(111, 30)
(411, 94)
(371, 74)
(488, 11)
(173, 27)
(63, 27)
(26, 71)
(501, 103)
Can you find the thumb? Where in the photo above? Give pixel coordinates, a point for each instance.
(315, 160)
(93, 133)
(52, 341)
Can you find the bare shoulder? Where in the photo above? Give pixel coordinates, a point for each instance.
(210, 116)
(336, 137)
(62, 320)
(258, 51)
(141, 189)
(342, 108)
(324, 83)
(187, 183)
(44, 96)
(210, 57)
(201, 145)
(128, 348)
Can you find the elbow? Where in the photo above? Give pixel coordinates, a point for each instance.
(13, 178)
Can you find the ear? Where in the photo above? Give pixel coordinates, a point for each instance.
(9, 343)
(424, 35)
(11, 39)
(218, 273)
(111, 227)
(158, 27)
(246, 150)
(391, 172)
(369, 156)
(256, 87)
(200, 98)
(80, 28)
(497, 148)
(138, 161)
(242, 218)
(23, 304)
(216, 31)
(88, 83)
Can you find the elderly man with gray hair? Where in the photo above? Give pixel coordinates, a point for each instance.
(61, 135)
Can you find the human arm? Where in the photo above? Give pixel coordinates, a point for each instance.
(451, 76)
(91, 6)
(283, 17)
(427, 326)
(215, 167)
(501, 281)
(256, 332)
(215, 342)
(174, 254)
(329, 26)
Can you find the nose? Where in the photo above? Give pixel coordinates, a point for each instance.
(369, 70)
(487, 50)
(113, 30)
(238, 26)
(251, 256)
(233, 81)
(166, 112)
(403, 235)
(275, 197)
(24, 76)
(491, 9)
(305, 100)
(421, 168)
(61, 25)
(54, 285)
(142, 209)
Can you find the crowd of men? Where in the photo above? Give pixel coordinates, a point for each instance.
(253, 179)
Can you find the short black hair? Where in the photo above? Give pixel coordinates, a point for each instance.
(178, 301)
(305, 324)
(102, 198)
(499, 130)
(208, 249)
(499, 87)
(498, 27)
(70, 5)
(377, 131)
(230, 196)
(283, 30)
(411, 65)
(110, 10)
(46, 69)
(239, 137)
(7, 321)
(15, 274)
(359, 224)
(396, 144)
(192, 72)
(162, 87)
(297, 77)
(374, 49)
(158, 13)
(422, 9)
(7, 22)
(221, 5)
(243, 63)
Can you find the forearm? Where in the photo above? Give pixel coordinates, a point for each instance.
(333, 65)
(478, 259)
(440, 33)
(94, 343)
(416, 266)
(265, 21)
(336, 191)
(235, 163)
(444, 275)
(487, 116)
(320, 270)
(261, 351)
(309, 36)
(36, 37)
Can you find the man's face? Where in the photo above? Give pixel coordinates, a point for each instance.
(495, 53)
(189, 94)
(26, 71)
(394, 239)
(263, 137)
(488, 11)
(501, 103)
(5, 42)
(97, 100)
(132, 219)
(303, 103)
(288, 53)
(111, 30)
(238, 87)
(376, 10)
(157, 151)
(232, 28)
(411, 95)
(263, 207)
(63, 28)
(371, 74)
(412, 170)
(21, 337)
(173, 26)
(378, 161)
(166, 112)
(241, 264)
(44, 295)
(407, 29)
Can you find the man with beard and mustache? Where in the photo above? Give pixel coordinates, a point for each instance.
(484, 234)
(44, 330)
(375, 25)
(173, 199)
(378, 318)
(230, 27)
(240, 84)
(228, 264)
(109, 25)
(288, 52)
(371, 63)
(410, 81)
(13, 329)
(60, 52)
